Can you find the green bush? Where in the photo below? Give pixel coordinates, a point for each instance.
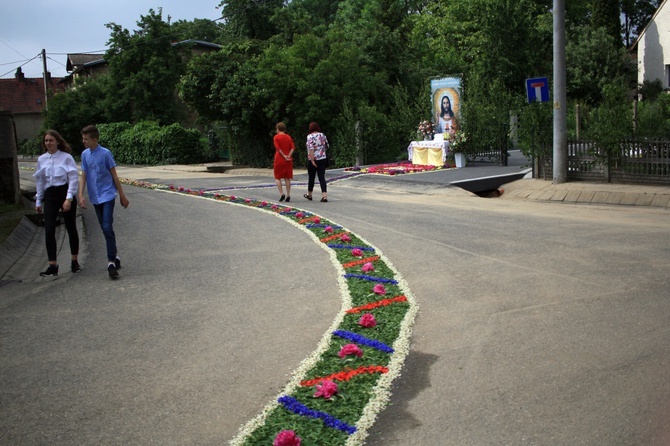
(653, 118)
(148, 143)
(31, 147)
(536, 130)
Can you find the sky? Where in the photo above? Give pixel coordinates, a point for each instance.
(62, 27)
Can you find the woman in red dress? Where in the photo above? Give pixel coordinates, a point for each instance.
(283, 163)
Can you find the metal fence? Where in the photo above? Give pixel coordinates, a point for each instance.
(635, 161)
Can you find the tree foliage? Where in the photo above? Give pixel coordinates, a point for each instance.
(606, 14)
(71, 111)
(593, 63)
(636, 15)
(144, 70)
(360, 68)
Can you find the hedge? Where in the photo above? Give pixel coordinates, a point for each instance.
(147, 143)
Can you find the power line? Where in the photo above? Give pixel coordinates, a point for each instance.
(15, 62)
(27, 62)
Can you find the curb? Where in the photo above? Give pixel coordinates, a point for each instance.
(23, 254)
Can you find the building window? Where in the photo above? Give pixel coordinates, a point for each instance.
(667, 77)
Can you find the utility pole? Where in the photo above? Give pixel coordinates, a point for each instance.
(44, 73)
(560, 96)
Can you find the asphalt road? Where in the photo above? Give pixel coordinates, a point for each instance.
(539, 323)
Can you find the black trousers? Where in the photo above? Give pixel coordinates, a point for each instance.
(51, 205)
(319, 170)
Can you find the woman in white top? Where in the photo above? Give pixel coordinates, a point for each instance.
(57, 180)
(317, 161)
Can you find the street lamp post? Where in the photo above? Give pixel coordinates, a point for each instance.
(560, 98)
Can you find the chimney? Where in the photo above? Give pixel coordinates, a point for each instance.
(19, 75)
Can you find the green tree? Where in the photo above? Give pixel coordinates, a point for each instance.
(144, 70)
(636, 15)
(72, 110)
(594, 62)
(606, 14)
(250, 19)
(198, 29)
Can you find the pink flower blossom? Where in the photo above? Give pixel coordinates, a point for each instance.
(265, 203)
(317, 220)
(345, 238)
(328, 229)
(299, 215)
(171, 186)
(356, 252)
(216, 195)
(274, 206)
(232, 197)
(379, 289)
(188, 191)
(286, 438)
(247, 200)
(201, 192)
(368, 267)
(327, 389)
(181, 188)
(350, 349)
(367, 320)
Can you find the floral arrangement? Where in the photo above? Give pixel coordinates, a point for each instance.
(396, 168)
(336, 393)
(457, 141)
(426, 130)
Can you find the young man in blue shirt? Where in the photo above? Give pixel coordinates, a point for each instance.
(99, 172)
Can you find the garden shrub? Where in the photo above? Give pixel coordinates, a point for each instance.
(150, 144)
(31, 147)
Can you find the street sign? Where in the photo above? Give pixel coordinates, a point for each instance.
(537, 89)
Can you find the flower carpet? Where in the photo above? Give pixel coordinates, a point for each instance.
(399, 168)
(335, 394)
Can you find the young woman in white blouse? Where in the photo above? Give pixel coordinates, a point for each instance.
(57, 180)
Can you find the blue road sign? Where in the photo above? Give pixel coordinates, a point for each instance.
(537, 89)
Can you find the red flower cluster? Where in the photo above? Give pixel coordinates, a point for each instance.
(346, 374)
(379, 303)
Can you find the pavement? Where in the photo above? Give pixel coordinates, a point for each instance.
(21, 255)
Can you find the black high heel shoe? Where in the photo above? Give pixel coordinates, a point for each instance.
(52, 270)
(282, 198)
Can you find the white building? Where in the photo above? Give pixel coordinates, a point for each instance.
(653, 48)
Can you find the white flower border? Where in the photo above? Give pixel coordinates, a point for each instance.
(381, 392)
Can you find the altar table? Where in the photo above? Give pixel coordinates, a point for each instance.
(428, 153)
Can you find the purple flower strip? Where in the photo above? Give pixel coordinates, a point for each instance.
(321, 225)
(362, 248)
(358, 339)
(298, 408)
(371, 278)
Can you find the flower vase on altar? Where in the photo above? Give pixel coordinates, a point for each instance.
(459, 158)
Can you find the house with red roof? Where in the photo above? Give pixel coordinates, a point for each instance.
(24, 98)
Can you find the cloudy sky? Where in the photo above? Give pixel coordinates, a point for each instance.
(76, 26)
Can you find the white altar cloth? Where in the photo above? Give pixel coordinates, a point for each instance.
(433, 153)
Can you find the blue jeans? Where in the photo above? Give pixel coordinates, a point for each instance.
(105, 213)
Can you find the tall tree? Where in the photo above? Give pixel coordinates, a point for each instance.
(607, 14)
(594, 63)
(250, 19)
(636, 15)
(198, 29)
(144, 70)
